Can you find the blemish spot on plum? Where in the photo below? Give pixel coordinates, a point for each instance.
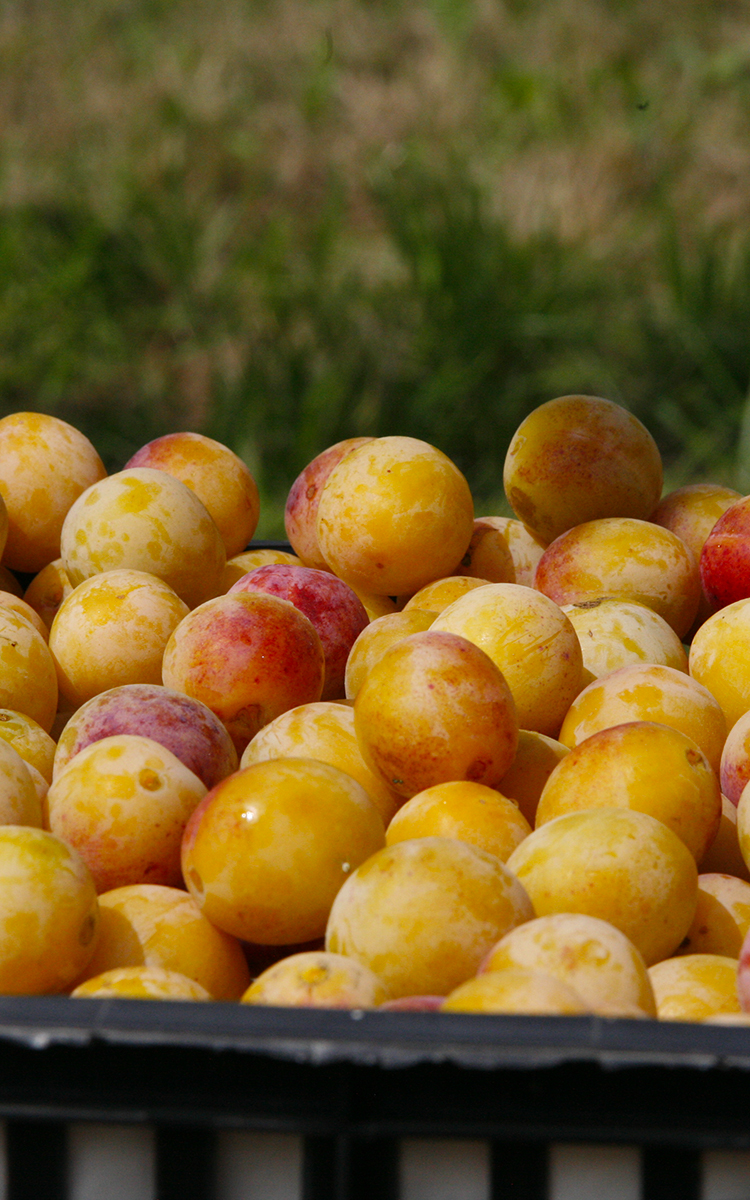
(196, 881)
(149, 780)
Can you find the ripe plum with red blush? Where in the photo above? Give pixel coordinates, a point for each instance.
(182, 724)
(333, 607)
(725, 558)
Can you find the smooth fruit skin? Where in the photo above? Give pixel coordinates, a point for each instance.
(219, 478)
(317, 979)
(591, 955)
(494, 539)
(719, 658)
(266, 852)
(725, 856)
(516, 990)
(536, 758)
(691, 512)
(578, 458)
(734, 768)
(47, 590)
(460, 809)
(147, 924)
(372, 643)
(334, 609)
(249, 657)
(648, 692)
(625, 559)
(27, 737)
(182, 724)
(644, 766)
(45, 465)
(49, 914)
(725, 557)
(140, 983)
(28, 679)
(145, 520)
(693, 987)
(722, 916)
(436, 596)
(423, 913)
(248, 560)
(615, 633)
(112, 630)
(123, 803)
(301, 509)
(20, 803)
(530, 640)
(394, 514)
(323, 730)
(435, 708)
(622, 866)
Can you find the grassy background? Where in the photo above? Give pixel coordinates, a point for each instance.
(283, 223)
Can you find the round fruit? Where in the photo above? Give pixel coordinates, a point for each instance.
(579, 458)
(268, 849)
(422, 914)
(393, 515)
(317, 979)
(435, 708)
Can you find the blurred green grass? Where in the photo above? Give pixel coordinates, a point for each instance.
(284, 224)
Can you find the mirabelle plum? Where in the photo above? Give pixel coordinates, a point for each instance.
(615, 633)
(516, 990)
(184, 725)
(145, 924)
(691, 512)
(9, 581)
(624, 559)
(579, 458)
(372, 643)
(734, 768)
(28, 680)
(622, 866)
(301, 510)
(722, 916)
(413, 1004)
(531, 641)
(45, 465)
(524, 547)
(268, 849)
(20, 803)
(123, 803)
(393, 515)
(590, 955)
(145, 520)
(240, 564)
(140, 983)
(648, 692)
(334, 609)
(216, 474)
(436, 596)
(692, 987)
(26, 736)
(50, 915)
(422, 914)
(643, 766)
(720, 658)
(724, 855)
(435, 708)
(248, 657)
(725, 557)
(317, 979)
(324, 731)
(112, 630)
(47, 590)
(461, 809)
(536, 758)
(488, 555)
(18, 605)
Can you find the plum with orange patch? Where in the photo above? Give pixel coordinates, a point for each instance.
(725, 557)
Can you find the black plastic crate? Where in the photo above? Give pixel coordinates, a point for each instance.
(355, 1086)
